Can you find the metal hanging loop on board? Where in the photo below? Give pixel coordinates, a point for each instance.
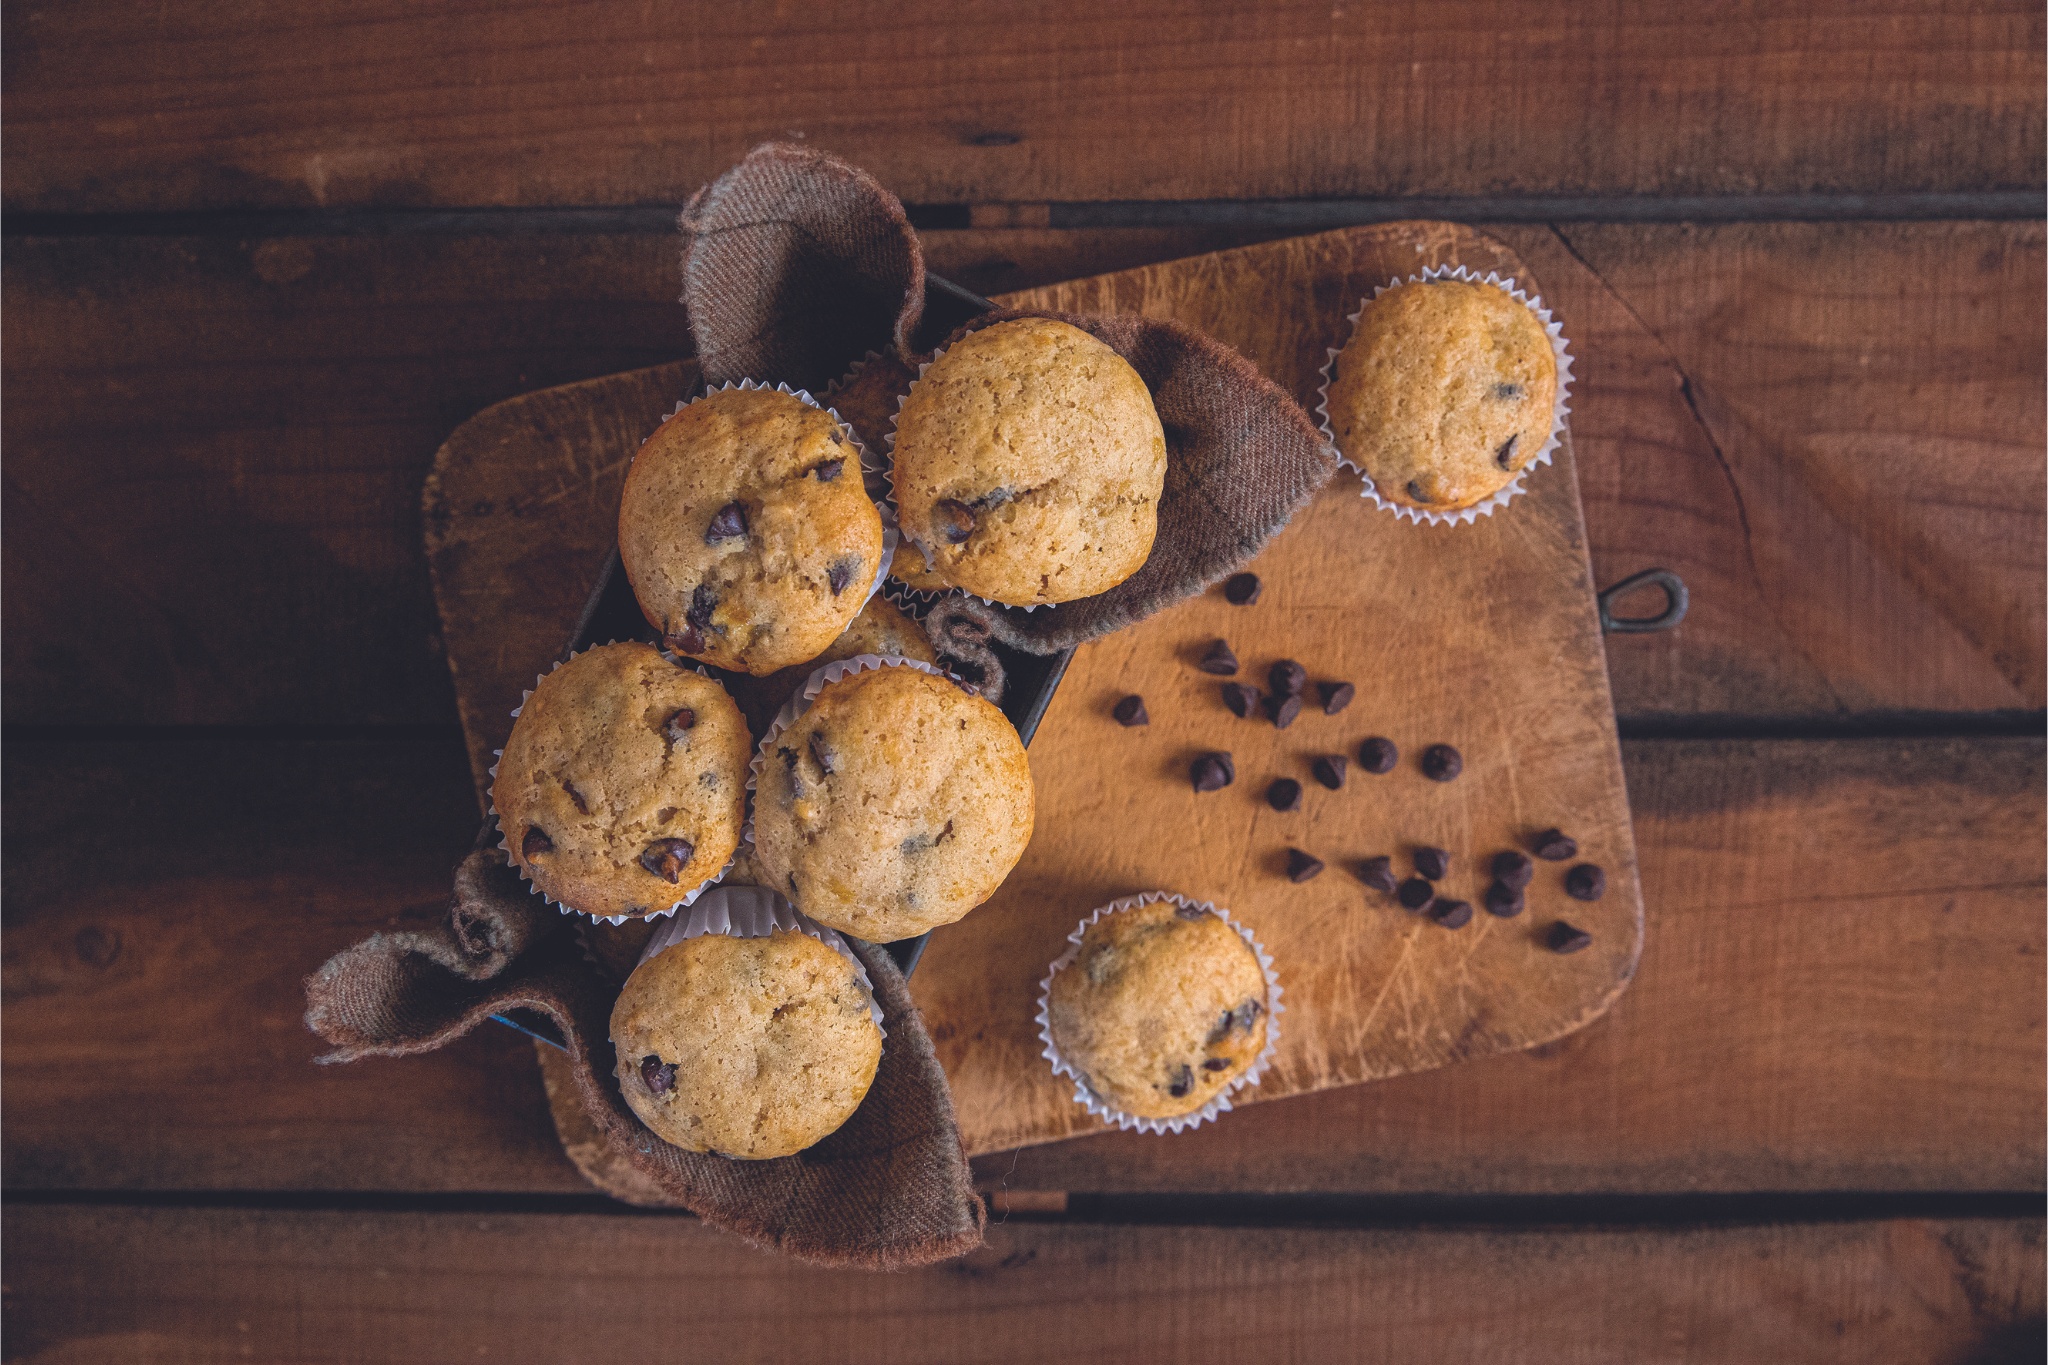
(1675, 602)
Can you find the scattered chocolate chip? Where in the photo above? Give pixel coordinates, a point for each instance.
(1219, 660)
(1329, 770)
(1284, 794)
(1513, 869)
(1378, 873)
(1288, 677)
(1212, 772)
(1247, 1014)
(1415, 895)
(1181, 1080)
(1336, 696)
(656, 1074)
(703, 601)
(680, 722)
(1505, 456)
(1241, 700)
(1586, 882)
(995, 497)
(689, 640)
(1507, 393)
(1242, 589)
(1566, 938)
(1216, 1064)
(953, 519)
(841, 573)
(821, 753)
(729, 524)
(1131, 711)
(1283, 709)
(1432, 863)
(535, 843)
(1302, 866)
(829, 470)
(1441, 763)
(1221, 1029)
(1452, 914)
(1378, 755)
(1503, 900)
(582, 806)
(1554, 846)
(664, 815)
(1415, 491)
(666, 858)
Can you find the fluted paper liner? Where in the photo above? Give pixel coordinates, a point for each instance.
(1560, 406)
(1095, 1104)
(755, 912)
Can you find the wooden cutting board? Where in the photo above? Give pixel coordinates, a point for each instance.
(1484, 636)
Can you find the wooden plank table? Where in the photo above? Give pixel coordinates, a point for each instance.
(259, 263)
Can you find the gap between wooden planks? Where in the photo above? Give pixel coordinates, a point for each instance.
(220, 445)
(199, 1284)
(211, 103)
(1843, 992)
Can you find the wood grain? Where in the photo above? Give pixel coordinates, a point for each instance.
(195, 105)
(1820, 910)
(221, 444)
(200, 1284)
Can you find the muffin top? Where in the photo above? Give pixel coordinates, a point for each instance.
(623, 787)
(895, 804)
(749, 1047)
(1443, 393)
(745, 531)
(1162, 1008)
(881, 628)
(1029, 463)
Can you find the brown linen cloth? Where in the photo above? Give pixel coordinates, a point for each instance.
(795, 267)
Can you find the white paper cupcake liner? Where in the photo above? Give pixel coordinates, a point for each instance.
(916, 603)
(889, 479)
(1560, 405)
(1095, 1104)
(869, 464)
(505, 836)
(756, 912)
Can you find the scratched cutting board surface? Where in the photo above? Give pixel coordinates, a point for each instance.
(1481, 636)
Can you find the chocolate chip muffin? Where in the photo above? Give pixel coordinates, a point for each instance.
(745, 531)
(623, 787)
(881, 628)
(895, 804)
(1029, 463)
(1160, 1010)
(748, 1047)
(1443, 393)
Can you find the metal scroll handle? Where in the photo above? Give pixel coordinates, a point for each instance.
(1675, 602)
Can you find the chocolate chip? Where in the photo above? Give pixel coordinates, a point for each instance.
(821, 753)
(1415, 491)
(656, 1074)
(1329, 770)
(1302, 866)
(1452, 914)
(535, 843)
(829, 470)
(679, 723)
(1432, 862)
(1284, 794)
(1212, 772)
(1241, 700)
(1441, 763)
(703, 602)
(1554, 846)
(1415, 895)
(995, 497)
(576, 796)
(1216, 1064)
(1283, 709)
(1505, 456)
(1247, 1014)
(664, 815)
(1288, 677)
(1221, 1028)
(1219, 660)
(729, 524)
(1566, 938)
(841, 573)
(689, 641)
(954, 520)
(1503, 900)
(1513, 869)
(666, 858)
(1378, 873)
(1131, 711)
(1181, 1080)
(1507, 393)
(1378, 755)
(1242, 589)
(1336, 696)
(1586, 882)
